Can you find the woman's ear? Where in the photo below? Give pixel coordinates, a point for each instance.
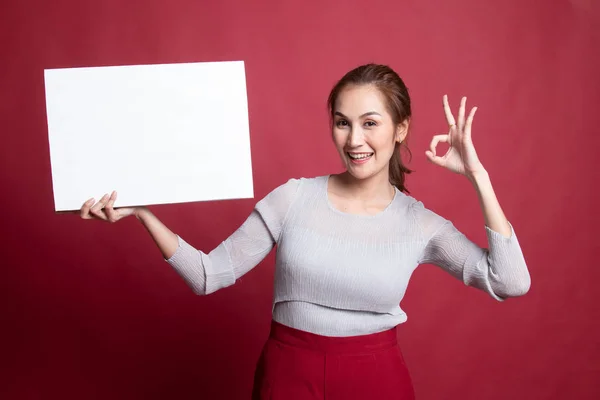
(402, 130)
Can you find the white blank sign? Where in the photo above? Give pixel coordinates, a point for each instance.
(157, 134)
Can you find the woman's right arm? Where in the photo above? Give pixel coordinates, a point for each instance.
(206, 273)
(166, 240)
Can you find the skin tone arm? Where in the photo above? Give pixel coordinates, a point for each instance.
(103, 210)
(461, 158)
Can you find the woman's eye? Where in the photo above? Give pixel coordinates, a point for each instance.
(370, 123)
(341, 122)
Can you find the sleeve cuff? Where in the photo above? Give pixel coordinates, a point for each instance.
(204, 273)
(498, 238)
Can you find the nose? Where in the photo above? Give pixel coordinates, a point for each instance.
(355, 138)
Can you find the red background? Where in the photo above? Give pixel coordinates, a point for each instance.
(90, 311)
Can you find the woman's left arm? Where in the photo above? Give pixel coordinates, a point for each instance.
(506, 270)
(461, 158)
(492, 212)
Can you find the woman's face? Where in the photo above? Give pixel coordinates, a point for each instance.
(363, 131)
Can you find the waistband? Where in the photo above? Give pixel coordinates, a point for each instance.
(329, 344)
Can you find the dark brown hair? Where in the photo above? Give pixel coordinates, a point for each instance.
(391, 86)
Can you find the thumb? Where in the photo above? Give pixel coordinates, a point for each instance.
(434, 159)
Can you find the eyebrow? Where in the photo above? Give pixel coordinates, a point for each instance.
(362, 116)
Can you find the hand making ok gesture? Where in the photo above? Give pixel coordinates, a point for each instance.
(461, 157)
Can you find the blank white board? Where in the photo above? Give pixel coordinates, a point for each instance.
(157, 134)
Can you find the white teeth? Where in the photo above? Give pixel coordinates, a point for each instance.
(360, 156)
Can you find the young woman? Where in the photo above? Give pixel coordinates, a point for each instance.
(347, 245)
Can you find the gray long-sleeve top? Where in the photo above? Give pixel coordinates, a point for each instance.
(340, 274)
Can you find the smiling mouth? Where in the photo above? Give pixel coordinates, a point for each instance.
(360, 156)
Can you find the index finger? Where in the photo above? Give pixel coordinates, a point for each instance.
(85, 209)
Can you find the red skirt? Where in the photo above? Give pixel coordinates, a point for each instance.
(299, 365)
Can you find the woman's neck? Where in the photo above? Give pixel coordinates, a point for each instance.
(372, 188)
